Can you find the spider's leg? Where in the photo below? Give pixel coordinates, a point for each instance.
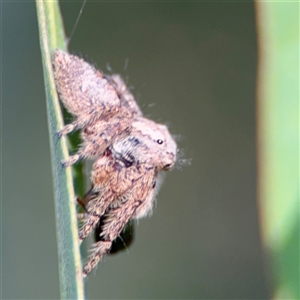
(119, 213)
(81, 216)
(66, 129)
(116, 219)
(89, 149)
(99, 197)
(90, 222)
(103, 110)
(98, 137)
(95, 208)
(71, 160)
(82, 121)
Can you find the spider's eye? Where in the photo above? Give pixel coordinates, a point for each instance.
(159, 141)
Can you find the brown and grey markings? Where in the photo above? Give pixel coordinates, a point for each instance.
(130, 151)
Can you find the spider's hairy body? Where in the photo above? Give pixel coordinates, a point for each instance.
(130, 150)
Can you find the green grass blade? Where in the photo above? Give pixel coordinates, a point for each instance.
(278, 144)
(52, 36)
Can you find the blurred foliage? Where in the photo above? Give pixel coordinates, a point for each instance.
(278, 142)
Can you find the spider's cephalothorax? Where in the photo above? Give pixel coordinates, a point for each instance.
(131, 151)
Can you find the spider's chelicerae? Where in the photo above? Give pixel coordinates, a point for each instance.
(130, 150)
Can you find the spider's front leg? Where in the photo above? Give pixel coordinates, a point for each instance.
(106, 188)
(119, 212)
(115, 221)
(100, 196)
(95, 209)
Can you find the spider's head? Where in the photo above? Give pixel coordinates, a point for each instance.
(159, 148)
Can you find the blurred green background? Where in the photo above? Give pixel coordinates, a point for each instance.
(192, 65)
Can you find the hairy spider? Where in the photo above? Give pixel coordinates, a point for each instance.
(131, 151)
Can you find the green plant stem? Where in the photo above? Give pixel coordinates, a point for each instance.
(51, 37)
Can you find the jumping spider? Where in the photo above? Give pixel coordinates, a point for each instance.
(130, 150)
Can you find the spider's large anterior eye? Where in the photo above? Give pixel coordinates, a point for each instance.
(159, 141)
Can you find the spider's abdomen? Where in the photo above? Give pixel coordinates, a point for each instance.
(81, 87)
